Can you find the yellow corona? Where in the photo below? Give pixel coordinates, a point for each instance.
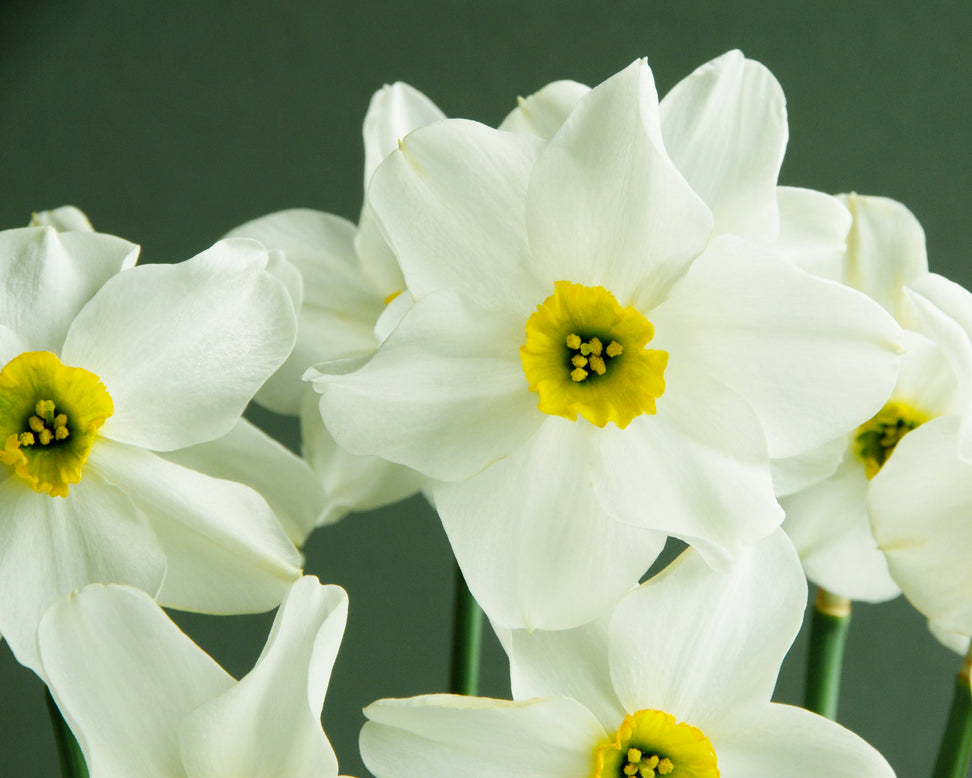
(652, 743)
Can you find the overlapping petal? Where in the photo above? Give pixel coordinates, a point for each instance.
(543, 112)
(813, 231)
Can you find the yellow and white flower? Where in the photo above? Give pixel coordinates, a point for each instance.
(143, 699)
(606, 346)
(675, 680)
(111, 372)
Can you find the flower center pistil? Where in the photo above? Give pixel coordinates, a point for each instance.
(50, 414)
(650, 743)
(585, 354)
(876, 439)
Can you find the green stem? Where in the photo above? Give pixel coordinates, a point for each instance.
(68, 751)
(953, 754)
(467, 633)
(828, 636)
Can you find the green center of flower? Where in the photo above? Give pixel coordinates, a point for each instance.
(876, 439)
(585, 354)
(49, 417)
(650, 743)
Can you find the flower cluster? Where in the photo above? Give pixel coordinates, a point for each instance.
(598, 326)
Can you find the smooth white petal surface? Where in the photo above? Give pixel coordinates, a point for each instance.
(394, 111)
(791, 474)
(543, 112)
(830, 527)
(885, 252)
(67, 218)
(567, 663)
(700, 644)
(725, 128)
(269, 724)
(813, 231)
(124, 676)
(534, 544)
(814, 358)
(441, 736)
(250, 456)
(182, 348)
(921, 514)
(339, 308)
(648, 474)
(48, 277)
(11, 344)
(606, 206)
(445, 394)
(788, 742)
(450, 201)
(927, 381)
(50, 546)
(225, 550)
(350, 482)
(951, 640)
(379, 265)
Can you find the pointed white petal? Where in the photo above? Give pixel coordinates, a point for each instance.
(606, 206)
(182, 348)
(441, 736)
(701, 644)
(270, 722)
(543, 112)
(536, 547)
(67, 218)
(225, 550)
(124, 676)
(813, 231)
(725, 128)
(50, 546)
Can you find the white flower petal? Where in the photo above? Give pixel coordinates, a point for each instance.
(11, 345)
(543, 112)
(725, 128)
(124, 676)
(225, 550)
(535, 546)
(50, 546)
(921, 514)
(700, 644)
(48, 277)
(606, 206)
(885, 252)
(927, 381)
(441, 736)
(567, 663)
(791, 474)
(250, 456)
(394, 111)
(269, 724)
(67, 218)
(789, 742)
(182, 348)
(953, 641)
(830, 527)
(649, 472)
(445, 394)
(813, 231)
(814, 358)
(379, 265)
(350, 482)
(450, 201)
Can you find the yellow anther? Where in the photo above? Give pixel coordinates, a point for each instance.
(651, 761)
(665, 766)
(613, 349)
(60, 433)
(26, 439)
(36, 423)
(391, 297)
(60, 420)
(573, 341)
(46, 436)
(45, 408)
(630, 769)
(646, 772)
(578, 361)
(596, 346)
(634, 754)
(597, 365)
(578, 374)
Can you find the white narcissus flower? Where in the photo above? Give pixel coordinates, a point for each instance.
(828, 521)
(110, 372)
(921, 501)
(143, 699)
(675, 680)
(589, 335)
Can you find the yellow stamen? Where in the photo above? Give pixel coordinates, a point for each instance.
(391, 297)
(614, 349)
(876, 439)
(578, 361)
(597, 365)
(578, 375)
(36, 423)
(573, 341)
(650, 742)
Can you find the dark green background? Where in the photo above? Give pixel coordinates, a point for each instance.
(171, 123)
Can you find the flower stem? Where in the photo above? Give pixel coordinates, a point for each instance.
(953, 754)
(68, 751)
(467, 633)
(828, 636)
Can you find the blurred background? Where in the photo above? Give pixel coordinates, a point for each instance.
(169, 124)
